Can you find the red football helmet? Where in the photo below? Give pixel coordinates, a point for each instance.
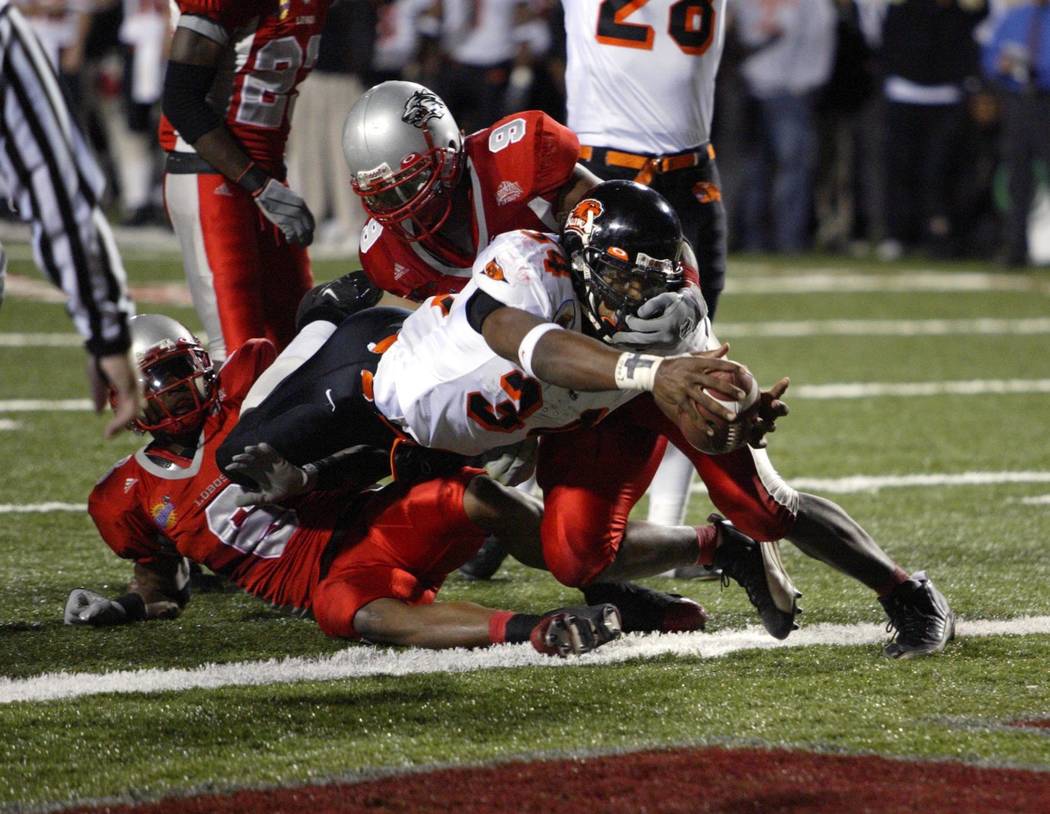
(176, 375)
(405, 153)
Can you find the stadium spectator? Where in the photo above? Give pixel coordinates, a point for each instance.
(228, 95)
(640, 95)
(792, 45)
(315, 157)
(54, 183)
(1017, 59)
(927, 52)
(364, 564)
(401, 28)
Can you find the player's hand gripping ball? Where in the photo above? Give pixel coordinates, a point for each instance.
(711, 433)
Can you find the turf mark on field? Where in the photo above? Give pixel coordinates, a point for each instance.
(358, 661)
(712, 779)
(886, 327)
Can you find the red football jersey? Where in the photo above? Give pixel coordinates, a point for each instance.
(272, 46)
(516, 168)
(146, 511)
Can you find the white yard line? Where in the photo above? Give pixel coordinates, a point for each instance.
(848, 390)
(849, 281)
(359, 662)
(885, 327)
(872, 483)
(801, 328)
(41, 508)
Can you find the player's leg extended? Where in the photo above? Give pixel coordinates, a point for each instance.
(382, 582)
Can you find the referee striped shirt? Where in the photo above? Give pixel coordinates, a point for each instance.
(55, 184)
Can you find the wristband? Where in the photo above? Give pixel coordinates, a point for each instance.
(636, 371)
(528, 344)
(252, 179)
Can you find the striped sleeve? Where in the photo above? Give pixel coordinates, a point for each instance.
(55, 184)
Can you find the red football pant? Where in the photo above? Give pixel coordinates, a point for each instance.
(246, 280)
(591, 479)
(402, 546)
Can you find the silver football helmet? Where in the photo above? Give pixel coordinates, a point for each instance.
(176, 375)
(405, 153)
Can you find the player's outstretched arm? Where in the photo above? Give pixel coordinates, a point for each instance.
(157, 591)
(572, 360)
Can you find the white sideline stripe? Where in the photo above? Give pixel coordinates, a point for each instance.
(40, 340)
(859, 390)
(1036, 500)
(359, 662)
(843, 280)
(45, 405)
(872, 483)
(973, 387)
(885, 327)
(39, 508)
(803, 328)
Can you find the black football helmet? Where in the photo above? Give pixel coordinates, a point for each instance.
(624, 243)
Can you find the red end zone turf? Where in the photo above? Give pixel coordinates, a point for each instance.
(687, 780)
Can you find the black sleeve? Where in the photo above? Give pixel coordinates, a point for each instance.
(479, 306)
(185, 99)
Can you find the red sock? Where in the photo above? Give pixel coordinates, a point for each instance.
(498, 626)
(707, 540)
(899, 575)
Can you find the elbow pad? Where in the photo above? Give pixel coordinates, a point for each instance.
(185, 99)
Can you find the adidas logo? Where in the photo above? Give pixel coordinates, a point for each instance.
(129, 483)
(224, 190)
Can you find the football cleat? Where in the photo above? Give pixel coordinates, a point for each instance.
(576, 630)
(336, 300)
(643, 610)
(759, 571)
(486, 562)
(920, 615)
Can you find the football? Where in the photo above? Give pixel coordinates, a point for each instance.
(728, 435)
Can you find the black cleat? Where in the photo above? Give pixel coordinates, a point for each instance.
(336, 300)
(920, 615)
(644, 610)
(486, 562)
(576, 630)
(759, 571)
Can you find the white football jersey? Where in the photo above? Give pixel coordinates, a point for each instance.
(443, 385)
(640, 76)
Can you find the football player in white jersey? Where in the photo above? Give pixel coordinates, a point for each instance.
(509, 358)
(640, 91)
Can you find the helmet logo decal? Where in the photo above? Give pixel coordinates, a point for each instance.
(494, 270)
(421, 107)
(581, 220)
(618, 253)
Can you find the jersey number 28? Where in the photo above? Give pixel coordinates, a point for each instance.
(691, 25)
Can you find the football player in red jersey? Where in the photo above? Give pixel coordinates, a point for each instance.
(228, 96)
(364, 563)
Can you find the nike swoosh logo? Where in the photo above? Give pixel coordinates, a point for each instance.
(328, 395)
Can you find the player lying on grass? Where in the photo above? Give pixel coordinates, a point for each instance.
(366, 563)
(524, 350)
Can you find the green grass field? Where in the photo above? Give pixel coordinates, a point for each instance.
(983, 543)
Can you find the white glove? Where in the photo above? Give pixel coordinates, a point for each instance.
(278, 478)
(665, 320)
(84, 607)
(514, 464)
(287, 211)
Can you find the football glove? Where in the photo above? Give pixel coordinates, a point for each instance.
(285, 210)
(576, 630)
(663, 321)
(276, 477)
(84, 607)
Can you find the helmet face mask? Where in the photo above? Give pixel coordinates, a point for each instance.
(405, 154)
(176, 375)
(625, 247)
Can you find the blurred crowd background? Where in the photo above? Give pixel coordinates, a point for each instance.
(882, 128)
